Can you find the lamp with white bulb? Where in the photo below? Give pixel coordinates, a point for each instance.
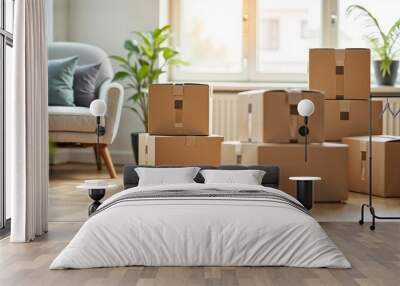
(98, 108)
(305, 108)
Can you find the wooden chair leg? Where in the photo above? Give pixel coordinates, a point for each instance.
(105, 154)
(98, 159)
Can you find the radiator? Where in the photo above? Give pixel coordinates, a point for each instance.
(224, 117)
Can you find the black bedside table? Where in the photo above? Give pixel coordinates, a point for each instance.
(96, 193)
(305, 187)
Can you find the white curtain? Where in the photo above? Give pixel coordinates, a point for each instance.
(27, 125)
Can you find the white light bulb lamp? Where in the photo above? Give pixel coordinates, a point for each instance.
(98, 108)
(305, 108)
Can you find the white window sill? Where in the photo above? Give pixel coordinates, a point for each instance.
(243, 86)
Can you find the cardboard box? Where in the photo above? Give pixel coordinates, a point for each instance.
(345, 118)
(340, 74)
(385, 165)
(326, 160)
(179, 109)
(271, 116)
(239, 153)
(179, 150)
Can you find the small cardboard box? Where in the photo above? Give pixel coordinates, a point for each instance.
(179, 150)
(325, 160)
(179, 109)
(271, 116)
(340, 73)
(385, 165)
(239, 153)
(345, 118)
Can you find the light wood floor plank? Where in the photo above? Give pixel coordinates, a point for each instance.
(375, 256)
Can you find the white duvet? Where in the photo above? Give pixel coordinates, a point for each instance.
(200, 231)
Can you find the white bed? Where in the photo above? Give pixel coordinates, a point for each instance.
(202, 231)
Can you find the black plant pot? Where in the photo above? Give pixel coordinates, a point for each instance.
(135, 146)
(388, 79)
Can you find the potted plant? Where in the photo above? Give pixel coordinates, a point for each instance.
(147, 57)
(383, 44)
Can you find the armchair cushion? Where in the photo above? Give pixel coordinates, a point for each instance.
(60, 81)
(85, 84)
(71, 119)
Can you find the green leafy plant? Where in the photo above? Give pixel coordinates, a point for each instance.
(383, 44)
(147, 57)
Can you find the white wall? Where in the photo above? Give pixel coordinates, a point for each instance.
(107, 24)
(59, 19)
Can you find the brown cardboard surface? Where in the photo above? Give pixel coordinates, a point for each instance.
(239, 153)
(325, 160)
(157, 150)
(344, 118)
(179, 109)
(385, 165)
(271, 116)
(340, 73)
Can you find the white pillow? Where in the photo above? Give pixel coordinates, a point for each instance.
(165, 176)
(248, 177)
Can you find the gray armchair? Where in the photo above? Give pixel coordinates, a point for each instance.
(74, 126)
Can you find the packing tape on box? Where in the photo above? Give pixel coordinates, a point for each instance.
(250, 121)
(294, 97)
(238, 153)
(146, 150)
(339, 86)
(177, 91)
(340, 57)
(364, 155)
(344, 110)
(339, 71)
(190, 140)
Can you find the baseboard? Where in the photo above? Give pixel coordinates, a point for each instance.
(86, 155)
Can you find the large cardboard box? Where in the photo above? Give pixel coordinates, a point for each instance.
(271, 116)
(179, 150)
(340, 74)
(385, 165)
(179, 109)
(326, 160)
(345, 118)
(239, 153)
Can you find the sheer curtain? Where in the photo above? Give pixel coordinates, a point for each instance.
(27, 125)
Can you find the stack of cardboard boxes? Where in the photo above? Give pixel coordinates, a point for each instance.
(179, 127)
(268, 123)
(344, 76)
(347, 89)
(268, 133)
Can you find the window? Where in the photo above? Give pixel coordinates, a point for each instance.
(6, 43)
(270, 28)
(352, 31)
(210, 50)
(264, 40)
(290, 28)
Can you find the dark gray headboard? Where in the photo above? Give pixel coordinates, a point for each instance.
(271, 177)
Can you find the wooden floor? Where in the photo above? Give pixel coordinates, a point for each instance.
(375, 256)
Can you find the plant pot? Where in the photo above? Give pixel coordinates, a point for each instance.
(388, 79)
(135, 146)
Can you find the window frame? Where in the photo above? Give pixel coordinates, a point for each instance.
(6, 39)
(249, 43)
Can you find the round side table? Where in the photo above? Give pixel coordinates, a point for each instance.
(96, 193)
(305, 190)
